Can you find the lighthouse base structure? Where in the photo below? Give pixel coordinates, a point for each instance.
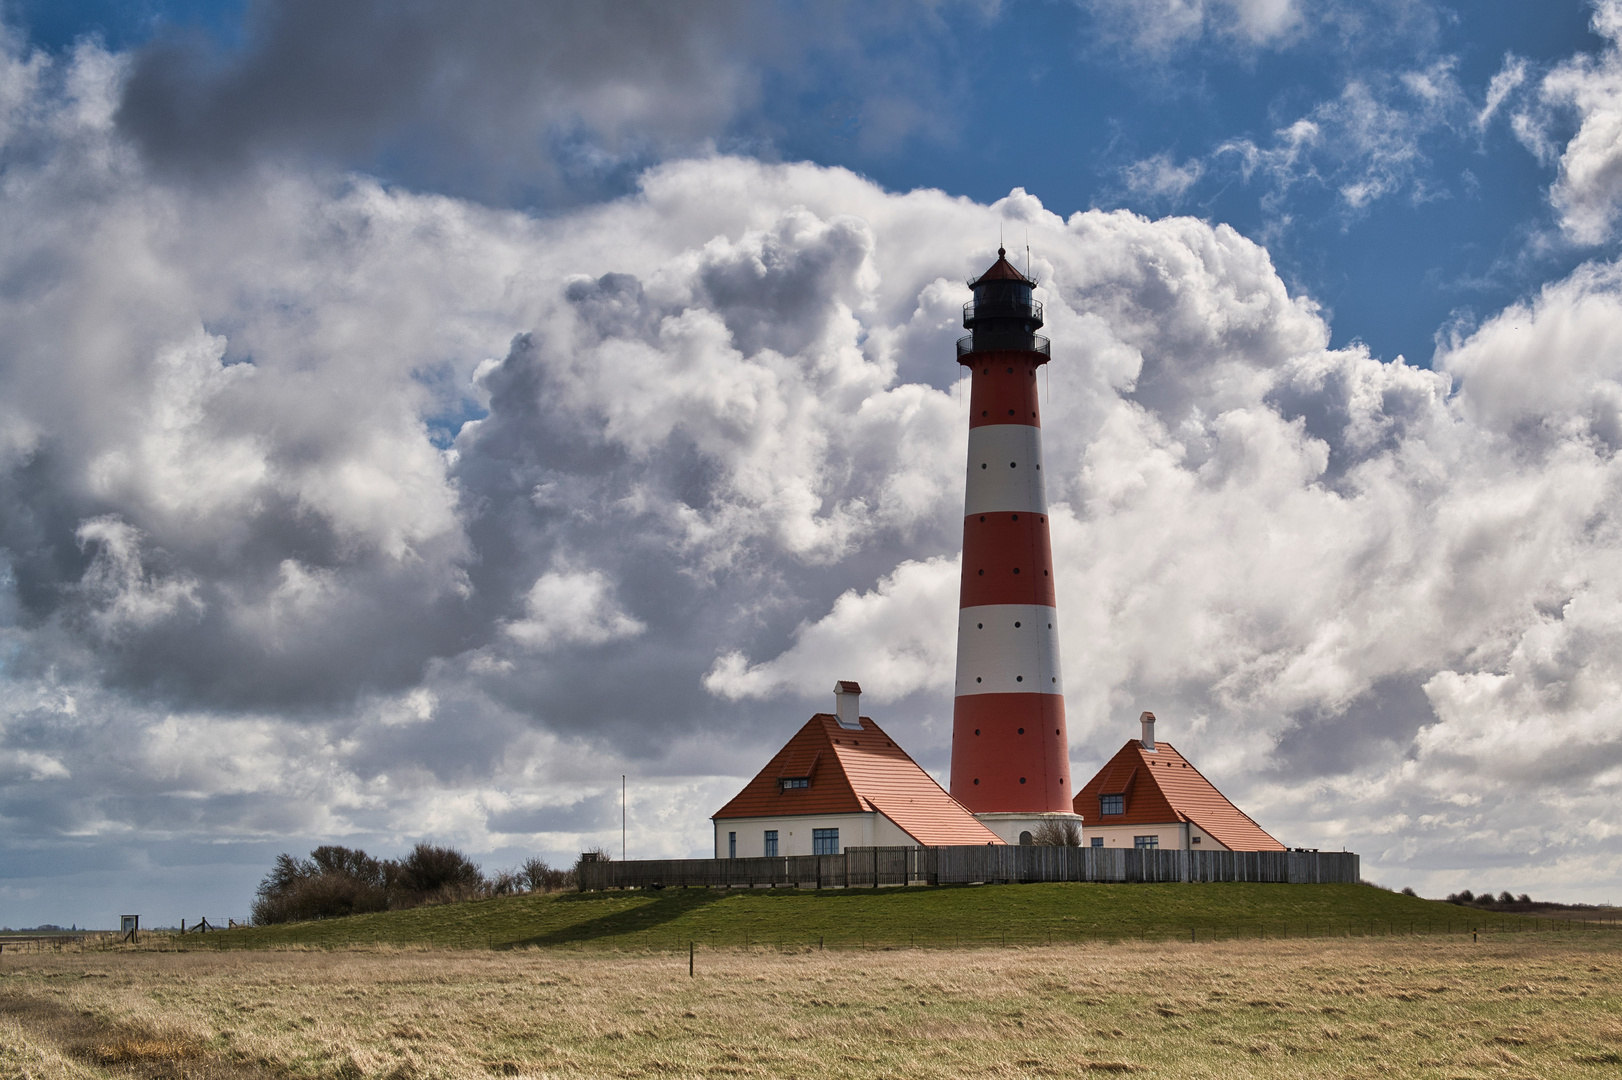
(1026, 828)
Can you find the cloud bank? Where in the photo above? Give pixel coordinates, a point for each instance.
(334, 510)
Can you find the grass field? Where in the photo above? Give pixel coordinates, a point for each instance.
(946, 916)
(1510, 1005)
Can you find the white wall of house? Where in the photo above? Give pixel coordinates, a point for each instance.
(1009, 826)
(1170, 834)
(794, 833)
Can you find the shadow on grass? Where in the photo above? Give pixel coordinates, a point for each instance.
(672, 904)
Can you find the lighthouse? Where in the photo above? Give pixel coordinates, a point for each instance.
(1010, 750)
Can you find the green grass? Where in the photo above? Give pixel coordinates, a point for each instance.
(948, 915)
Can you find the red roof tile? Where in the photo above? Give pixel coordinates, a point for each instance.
(854, 772)
(1160, 787)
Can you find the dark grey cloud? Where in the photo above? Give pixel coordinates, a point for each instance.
(506, 83)
(522, 100)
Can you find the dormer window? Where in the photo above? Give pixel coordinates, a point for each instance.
(788, 783)
(1112, 804)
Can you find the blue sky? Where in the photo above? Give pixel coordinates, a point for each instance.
(414, 417)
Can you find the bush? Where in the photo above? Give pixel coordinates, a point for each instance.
(336, 881)
(1463, 896)
(506, 883)
(1053, 832)
(1408, 890)
(332, 882)
(537, 876)
(433, 873)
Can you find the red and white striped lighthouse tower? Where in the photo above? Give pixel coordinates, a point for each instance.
(1010, 751)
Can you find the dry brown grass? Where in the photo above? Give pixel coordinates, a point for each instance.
(1358, 1008)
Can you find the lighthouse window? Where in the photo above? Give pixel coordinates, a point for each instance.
(980, 626)
(1020, 678)
(1022, 731)
(977, 678)
(825, 841)
(982, 464)
(1010, 412)
(1016, 626)
(1016, 570)
(1112, 804)
(1013, 464)
(1022, 779)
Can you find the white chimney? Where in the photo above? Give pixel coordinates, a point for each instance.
(848, 704)
(1148, 722)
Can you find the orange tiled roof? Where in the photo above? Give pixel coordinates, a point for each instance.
(1161, 786)
(856, 772)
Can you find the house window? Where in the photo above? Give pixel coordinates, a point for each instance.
(771, 842)
(825, 841)
(792, 782)
(1098, 841)
(1146, 841)
(1112, 804)
(732, 845)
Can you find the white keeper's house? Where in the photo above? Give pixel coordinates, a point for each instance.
(842, 782)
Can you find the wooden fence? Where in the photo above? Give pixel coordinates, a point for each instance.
(872, 867)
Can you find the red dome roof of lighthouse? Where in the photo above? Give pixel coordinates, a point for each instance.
(1001, 270)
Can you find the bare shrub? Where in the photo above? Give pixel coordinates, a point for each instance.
(332, 882)
(336, 881)
(434, 874)
(538, 876)
(1056, 832)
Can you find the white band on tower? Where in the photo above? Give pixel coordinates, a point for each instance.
(1005, 470)
(1008, 649)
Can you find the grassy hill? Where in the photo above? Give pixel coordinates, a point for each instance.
(947, 915)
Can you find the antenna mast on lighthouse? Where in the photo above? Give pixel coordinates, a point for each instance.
(1010, 750)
